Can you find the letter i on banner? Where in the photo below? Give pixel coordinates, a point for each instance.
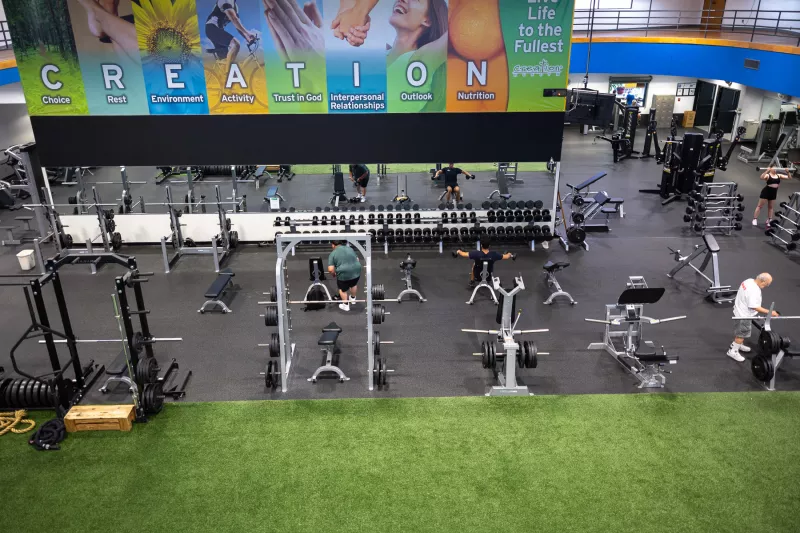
(109, 55)
(477, 70)
(538, 37)
(294, 51)
(355, 39)
(233, 55)
(416, 57)
(169, 43)
(46, 57)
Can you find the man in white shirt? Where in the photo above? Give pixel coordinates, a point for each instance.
(747, 304)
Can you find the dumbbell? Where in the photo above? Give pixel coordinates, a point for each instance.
(417, 218)
(453, 218)
(417, 234)
(463, 217)
(426, 235)
(513, 256)
(546, 217)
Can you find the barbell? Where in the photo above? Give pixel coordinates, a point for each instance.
(139, 341)
(737, 226)
(790, 245)
(785, 205)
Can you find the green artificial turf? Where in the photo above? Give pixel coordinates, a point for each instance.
(399, 168)
(611, 463)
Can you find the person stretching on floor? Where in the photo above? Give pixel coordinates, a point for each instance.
(479, 256)
(769, 193)
(747, 304)
(451, 180)
(344, 265)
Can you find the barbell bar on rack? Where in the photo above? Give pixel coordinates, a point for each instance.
(785, 205)
(790, 245)
(138, 340)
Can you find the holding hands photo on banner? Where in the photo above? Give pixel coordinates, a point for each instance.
(295, 31)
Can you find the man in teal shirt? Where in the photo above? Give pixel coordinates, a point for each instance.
(343, 263)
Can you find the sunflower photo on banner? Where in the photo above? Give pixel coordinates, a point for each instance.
(233, 56)
(169, 41)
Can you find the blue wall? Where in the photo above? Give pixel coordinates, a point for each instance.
(9, 75)
(778, 72)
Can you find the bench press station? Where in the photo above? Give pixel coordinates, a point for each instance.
(327, 343)
(638, 356)
(717, 292)
(550, 269)
(215, 292)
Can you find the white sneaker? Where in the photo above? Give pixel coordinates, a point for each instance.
(358, 195)
(353, 299)
(743, 348)
(755, 222)
(344, 307)
(733, 354)
(363, 199)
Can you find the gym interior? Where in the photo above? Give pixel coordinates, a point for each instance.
(172, 336)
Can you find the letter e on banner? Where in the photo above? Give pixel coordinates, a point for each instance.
(172, 72)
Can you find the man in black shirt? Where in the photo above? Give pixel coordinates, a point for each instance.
(359, 174)
(451, 180)
(479, 256)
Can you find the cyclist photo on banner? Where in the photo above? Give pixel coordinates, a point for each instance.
(233, 57)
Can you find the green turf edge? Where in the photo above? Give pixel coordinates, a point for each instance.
(639, 462)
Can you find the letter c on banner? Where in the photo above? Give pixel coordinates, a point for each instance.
(53, 86)
(417, 65)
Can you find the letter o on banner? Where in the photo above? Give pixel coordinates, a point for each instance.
(417, 65)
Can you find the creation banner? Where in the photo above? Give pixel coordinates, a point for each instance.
(231, 57)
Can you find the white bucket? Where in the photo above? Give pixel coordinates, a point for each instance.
(26, 259)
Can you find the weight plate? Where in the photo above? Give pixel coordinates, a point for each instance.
(271, 316)
(3, 384)
(275, 345)
(532, 350)
(153, 395)
(234, 239)
(376, 341)
(769, 342)
(138, 342)
(385, 372)
(146, 370)
(13, 401)
(273, 294)
(484, 355)
(762, 368)
(29, 393)
(276, 374)
(268, 376)
(378, 292)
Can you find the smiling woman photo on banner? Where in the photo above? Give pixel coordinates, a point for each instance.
(169, 41)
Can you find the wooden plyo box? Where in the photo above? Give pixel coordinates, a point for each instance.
(100, 418)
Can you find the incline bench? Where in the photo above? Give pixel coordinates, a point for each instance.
(582, 190)
(215, 292)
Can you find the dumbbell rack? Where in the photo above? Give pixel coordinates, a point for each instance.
(715, 207)
(784, 229)
(503, 221)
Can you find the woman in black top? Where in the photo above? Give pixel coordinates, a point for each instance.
(769, 193)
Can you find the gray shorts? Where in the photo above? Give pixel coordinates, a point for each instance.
(743, 329)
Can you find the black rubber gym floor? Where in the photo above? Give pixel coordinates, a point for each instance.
(430, 355)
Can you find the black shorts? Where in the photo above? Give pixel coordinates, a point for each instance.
(452, 184)
(769, 193)
(220, 39)
(345, 285)
(363, 181)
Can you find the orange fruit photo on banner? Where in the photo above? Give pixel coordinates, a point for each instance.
(476, 36)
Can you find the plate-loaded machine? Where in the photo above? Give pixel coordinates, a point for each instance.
(622, 140)
(645, 364)
(523, 354)
(717, 292)
(222, 244)
(80, 198)
(773, 349)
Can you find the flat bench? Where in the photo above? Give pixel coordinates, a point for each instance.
(26, 220)
(586, 184)
(327, 342)
(216, 290)
(653, 357)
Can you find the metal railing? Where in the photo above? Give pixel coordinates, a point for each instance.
(754, 25)
(5, 35)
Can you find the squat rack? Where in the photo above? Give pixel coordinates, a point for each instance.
(285, 245)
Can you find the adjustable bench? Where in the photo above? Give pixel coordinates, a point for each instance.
(273, 198)
(550, 269)
(717, 292)
(578, 190)
(327, 343)
(502, 187)
(215, 292)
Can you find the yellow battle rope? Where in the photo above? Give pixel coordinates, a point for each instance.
(9, 421)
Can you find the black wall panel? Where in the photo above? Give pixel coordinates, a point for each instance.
(297, 139)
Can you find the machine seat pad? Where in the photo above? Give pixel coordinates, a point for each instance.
(609, 210)
(656, 358)
(616, 201)
(711, 243)
(218, 287)
(271, 191)
(330, 334)
(555, 267)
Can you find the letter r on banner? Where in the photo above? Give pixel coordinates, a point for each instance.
(112, 73)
